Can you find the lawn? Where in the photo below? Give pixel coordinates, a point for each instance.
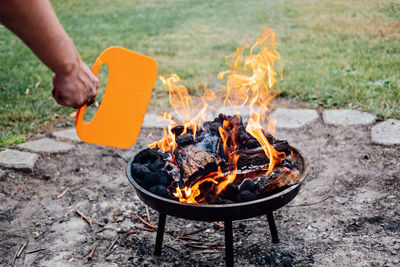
(334, 53)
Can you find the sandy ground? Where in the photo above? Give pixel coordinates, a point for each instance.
(347, 212)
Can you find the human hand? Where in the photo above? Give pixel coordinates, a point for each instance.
(76, 87)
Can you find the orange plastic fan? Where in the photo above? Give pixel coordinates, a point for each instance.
(117, 122)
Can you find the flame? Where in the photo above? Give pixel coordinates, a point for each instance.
(248, 82)
(254, 88)
(167, 142)
(190, 193)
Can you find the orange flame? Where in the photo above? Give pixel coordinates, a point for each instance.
(254, 89)
(167, 142)
(248, 82)
(190, 193)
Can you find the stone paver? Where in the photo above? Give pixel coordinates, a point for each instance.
(293, 118)
(47, 145)
(347, 117)
(386, 133)
(69, 134)
(18, 160)
(154, 121)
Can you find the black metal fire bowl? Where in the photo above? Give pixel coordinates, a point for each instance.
(220, 212)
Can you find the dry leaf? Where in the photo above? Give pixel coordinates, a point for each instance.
(37, 84)
(27, 91)
(71, 259)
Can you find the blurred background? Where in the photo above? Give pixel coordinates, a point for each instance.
(334, 54)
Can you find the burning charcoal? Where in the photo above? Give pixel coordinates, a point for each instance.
(231, 192)
(214, 127)
(157, 165)
(236, 120)
(221, 117)
(252, 143)
(177, 130)
(287, 164)
(282, 146)
(143, 176)
(243, 137)
(251, 157)
(163, 178)
(141, 157)
(245, 196)
(247, 185)
(149, 155)
(173, 171)
(160, 190)
(184, 140)
(271, 139)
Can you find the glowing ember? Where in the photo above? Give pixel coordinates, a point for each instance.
(248, 82)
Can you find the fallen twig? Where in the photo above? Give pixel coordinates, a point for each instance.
(35, 250)
(146, 223)
(308, 204)
(87, 219)
(63, 193)
(131, 232)
(112, 245)
(22, 248)
(19, 251)
(195, 231)
(90, 255)
(148, 214)
(144, 228)
(15, 257)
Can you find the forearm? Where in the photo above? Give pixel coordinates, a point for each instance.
(35, 22)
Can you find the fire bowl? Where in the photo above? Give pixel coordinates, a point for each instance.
(219, 212)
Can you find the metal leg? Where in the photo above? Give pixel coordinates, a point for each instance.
(228, 244)
(272, 228)
(160, 233)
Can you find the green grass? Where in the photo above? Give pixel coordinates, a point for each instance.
(334, 53)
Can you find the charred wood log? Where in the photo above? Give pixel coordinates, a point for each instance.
(279, 178)
(195, 162)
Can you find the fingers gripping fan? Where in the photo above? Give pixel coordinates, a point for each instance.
(117, 122)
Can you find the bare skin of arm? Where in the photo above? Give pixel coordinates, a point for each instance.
(35, 22)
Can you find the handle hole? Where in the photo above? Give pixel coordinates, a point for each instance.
(102, 75)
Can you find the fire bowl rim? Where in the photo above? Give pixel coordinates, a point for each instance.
(137, 187)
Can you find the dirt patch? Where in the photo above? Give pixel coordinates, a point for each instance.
(347, 212)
